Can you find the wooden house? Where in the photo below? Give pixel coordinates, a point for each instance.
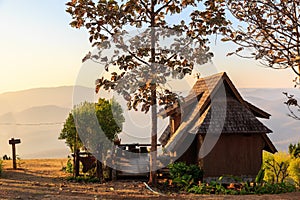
(217, 129)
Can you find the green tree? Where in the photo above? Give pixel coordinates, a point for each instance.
(294, 150)
(144, 64)
(109, 120)
(69, 134)
(109, 115)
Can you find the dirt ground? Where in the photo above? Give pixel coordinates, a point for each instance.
(43, 179)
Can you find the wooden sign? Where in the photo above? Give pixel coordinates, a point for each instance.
(13, 143)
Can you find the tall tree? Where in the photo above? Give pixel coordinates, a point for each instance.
(143, 63)
(270, 30)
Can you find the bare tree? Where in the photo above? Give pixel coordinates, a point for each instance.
(292, 105)
(270, 32)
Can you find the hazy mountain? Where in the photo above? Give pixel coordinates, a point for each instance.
(58, 96)
(22, 112)
(40, 114)
(285, 129)
(21, 100)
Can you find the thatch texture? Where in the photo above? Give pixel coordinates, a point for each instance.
(214, 104)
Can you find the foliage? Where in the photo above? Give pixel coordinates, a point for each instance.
(276, 167)
(281, 168)
(270, 33)
(6, 157)
(294, 150)
(69, 167)
(69, 134)
(110, 118)
(97, 135)
(260, 176)
(242, 188)
(276, 188)
(97, 124)
(184, 176)
(294, 170)
(293, 107)
(271, 30)
(144, 64)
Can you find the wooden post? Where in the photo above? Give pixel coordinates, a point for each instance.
(13, 143)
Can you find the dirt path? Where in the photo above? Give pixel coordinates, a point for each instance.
(43, 179)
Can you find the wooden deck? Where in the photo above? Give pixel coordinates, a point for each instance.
(132, 160)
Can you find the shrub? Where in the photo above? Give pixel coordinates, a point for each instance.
(69, 167)
(276, 167)
(275, 188)
(184, 176)
(242, 188)
(294, 170)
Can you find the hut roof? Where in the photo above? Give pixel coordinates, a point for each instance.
(206, 87)
(215, 105)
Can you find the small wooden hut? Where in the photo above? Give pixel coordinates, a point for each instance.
(217, 129)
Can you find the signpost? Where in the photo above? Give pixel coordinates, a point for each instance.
(13, 143)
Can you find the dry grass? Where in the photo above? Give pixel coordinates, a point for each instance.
(43, 179)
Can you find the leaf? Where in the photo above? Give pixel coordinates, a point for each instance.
(104, 59)
(279, 60)
(88, 56)
(225, 39)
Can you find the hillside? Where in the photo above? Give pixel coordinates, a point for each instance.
(285, 129)
(22, 112)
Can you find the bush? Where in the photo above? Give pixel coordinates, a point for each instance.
(276, 188)
(185, 176)
(242, 188)
(69, 167)
(294, 170)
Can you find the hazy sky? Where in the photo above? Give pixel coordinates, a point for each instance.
(38, 48)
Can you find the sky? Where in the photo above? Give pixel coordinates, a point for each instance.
(38, 48)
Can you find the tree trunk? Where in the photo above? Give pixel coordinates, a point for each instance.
(99, 168)
(76, 163)
(153, 151)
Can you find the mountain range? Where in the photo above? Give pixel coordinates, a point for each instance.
(36, 116)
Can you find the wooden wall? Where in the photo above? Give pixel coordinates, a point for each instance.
(175, 121)
(234, 154)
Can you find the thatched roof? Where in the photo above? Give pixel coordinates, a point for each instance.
(206, 87)
(238, 119)
(214, 104)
